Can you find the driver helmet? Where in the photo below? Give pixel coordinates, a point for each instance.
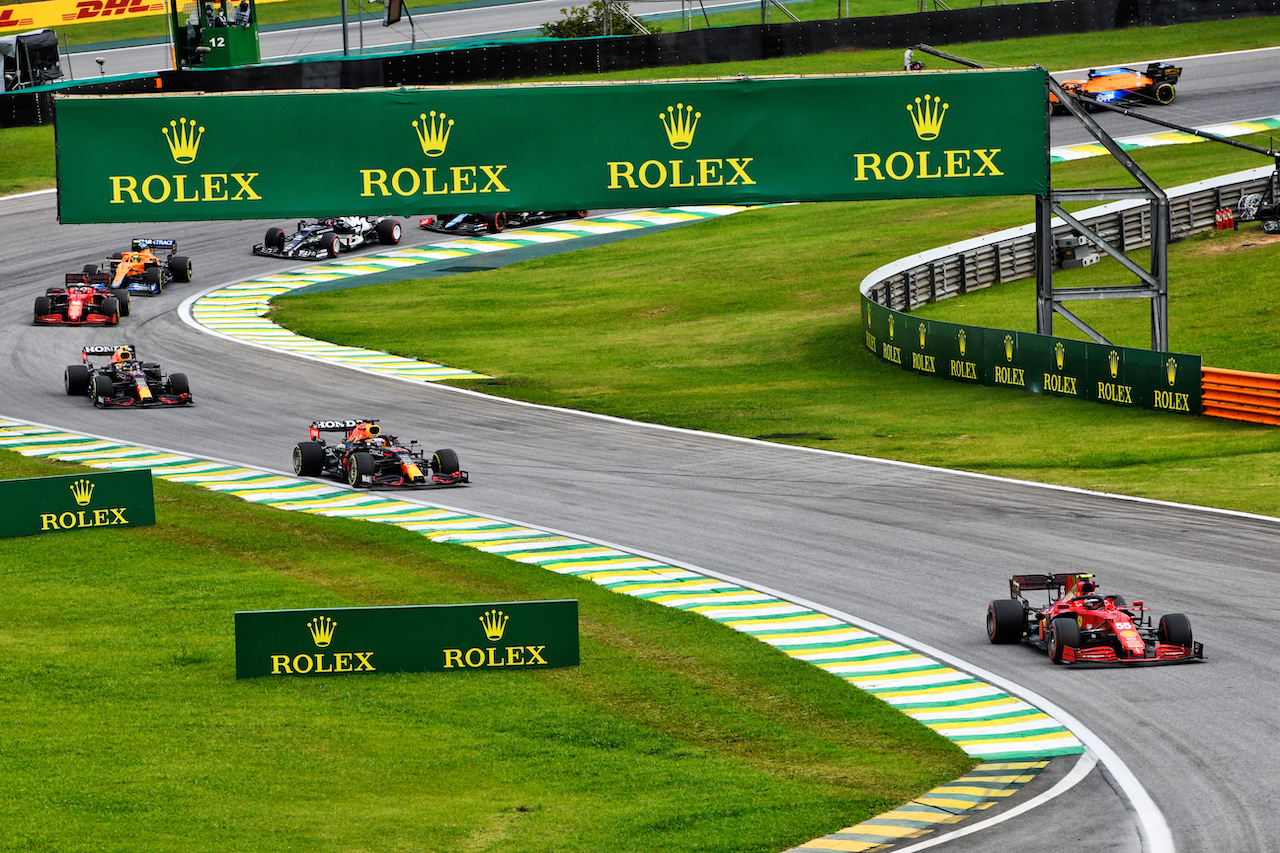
(1080, 585)
(120, 356)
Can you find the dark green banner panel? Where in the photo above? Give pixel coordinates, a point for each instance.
(76, 502)
(551, 147)
(1041, 364)
(521, 635)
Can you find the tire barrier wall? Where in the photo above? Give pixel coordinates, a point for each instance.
(1039, 363)
(555, 57)
(1241, 396)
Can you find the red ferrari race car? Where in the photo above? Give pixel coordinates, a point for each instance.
(1123, 86)
(493, 223)
(124, 381)
(367, 457)
(1080, 626)
(84, 301)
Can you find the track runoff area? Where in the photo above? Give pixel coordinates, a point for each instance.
(703, 143)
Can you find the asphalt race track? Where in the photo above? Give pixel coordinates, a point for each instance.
(1212, 89)
(920, 551)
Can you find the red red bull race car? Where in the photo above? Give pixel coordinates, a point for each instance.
(1078, 625)
(366, 457)
(124, 381)
(84, 301)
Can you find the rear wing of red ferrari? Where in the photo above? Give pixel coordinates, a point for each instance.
(1029, 583)
(91, 278)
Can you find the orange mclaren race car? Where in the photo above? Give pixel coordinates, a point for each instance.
(1080, 626)
(370, 458)
(141, 270)
(1119, 86)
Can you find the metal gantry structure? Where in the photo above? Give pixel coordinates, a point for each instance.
(1153, 282)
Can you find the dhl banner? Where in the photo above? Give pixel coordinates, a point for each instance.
(55, 14)
(552, 146)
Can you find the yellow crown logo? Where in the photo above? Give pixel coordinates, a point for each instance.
(1008, 347)
(1171, 370)
(321, 629)
(494, 623)
(964, 341)
(1113, 362)
(890, 327)
(927, 117)
(184, 139)
(1059, 354)
(433, 132)
(82, 491)
(681, 123)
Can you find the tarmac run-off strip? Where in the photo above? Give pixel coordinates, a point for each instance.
(1013, 738)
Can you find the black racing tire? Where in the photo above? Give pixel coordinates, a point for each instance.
(1165, 93)
(90, 269)
(44, 306)
(275, 239)
(180, 266)
(124, 303)
(329, 246)
(102, 388)
(1006, 621)
(111, 307)
(177, 383)
(389, 231)
(152, 277)
(308, 458)
(1174, 629)
(1063, 633)
(76, 378)
(444, 462)
(495, 223)
(359, 465)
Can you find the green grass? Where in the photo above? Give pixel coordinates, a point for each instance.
(26, 159)
(749, 325)
(125, 728)
(1052, 52)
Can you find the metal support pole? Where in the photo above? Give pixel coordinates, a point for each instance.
(1044, 265)
(346, 51)
(1160, 272)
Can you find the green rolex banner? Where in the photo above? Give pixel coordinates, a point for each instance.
(76, 502)
(551, 147)
(519, 635)
(1042, 364)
